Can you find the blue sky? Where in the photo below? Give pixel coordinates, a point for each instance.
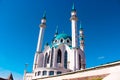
(19, 21)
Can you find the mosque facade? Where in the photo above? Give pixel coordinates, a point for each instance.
(62, 55)
(64, 59)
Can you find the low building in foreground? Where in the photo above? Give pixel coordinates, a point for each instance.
(110, 71)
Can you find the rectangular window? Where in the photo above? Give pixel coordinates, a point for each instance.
(59, 72)
(44, 73)
(51, 73)
(39, 73)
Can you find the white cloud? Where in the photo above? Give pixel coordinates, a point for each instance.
(5, 73)
(101, 57)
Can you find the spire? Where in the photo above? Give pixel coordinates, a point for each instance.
(26, 65)
(56, 32)
(73, 7)
(43, 20)
(44, 15)
(25, 71)
(81, 26)
(10, 77)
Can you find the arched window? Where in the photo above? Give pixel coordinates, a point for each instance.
(48, 58)
(51, 62)
(79, 61)
(59, 56)
(45, 62)
(65, 59)
(61, 40)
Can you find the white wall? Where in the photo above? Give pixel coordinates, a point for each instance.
(111, 69)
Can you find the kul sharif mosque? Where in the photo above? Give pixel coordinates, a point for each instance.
(63, 55)
(63, 59)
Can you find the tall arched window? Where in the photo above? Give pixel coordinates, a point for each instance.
(45, 62)
(79, 61)
(59, 56)
(51, 62)
(65, 59)
(48, 58)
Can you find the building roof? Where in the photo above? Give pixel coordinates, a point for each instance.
(56, 40)
(60, 36)
(10, 77)
(2, 79)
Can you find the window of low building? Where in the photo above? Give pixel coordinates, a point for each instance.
(35, 73)
(51, 73)
(39, 73)
(59, 72)
(44, 73)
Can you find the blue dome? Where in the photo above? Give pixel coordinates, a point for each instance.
(60, 36)
(61, 39)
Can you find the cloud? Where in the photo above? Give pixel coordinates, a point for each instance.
(5, 73)
(101, 57)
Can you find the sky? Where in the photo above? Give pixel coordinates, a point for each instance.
(19, 29)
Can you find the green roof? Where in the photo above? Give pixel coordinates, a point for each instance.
(59, 37)
(64, 36)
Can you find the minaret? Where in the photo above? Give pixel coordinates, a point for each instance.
(41, 33)
(74, 27)
(81, 37)
(40, 40)
(74, 37)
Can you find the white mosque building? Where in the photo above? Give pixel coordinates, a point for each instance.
(64, 59)
(62, 55)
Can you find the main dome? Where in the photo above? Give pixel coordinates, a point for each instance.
(60, 36)
(61, 39)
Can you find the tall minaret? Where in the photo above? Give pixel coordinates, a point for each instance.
(41, 33)
(40, 40)
(81, 37)
(74, 27)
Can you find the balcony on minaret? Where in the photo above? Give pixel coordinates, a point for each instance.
(43, 25)
(74, 17)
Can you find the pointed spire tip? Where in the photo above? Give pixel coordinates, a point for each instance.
(44, 15)
(73, 7)
(80, 25)
(57, 29)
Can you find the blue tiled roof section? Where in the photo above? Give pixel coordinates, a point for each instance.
(64, 36)
(56, 40)
(55, 46)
